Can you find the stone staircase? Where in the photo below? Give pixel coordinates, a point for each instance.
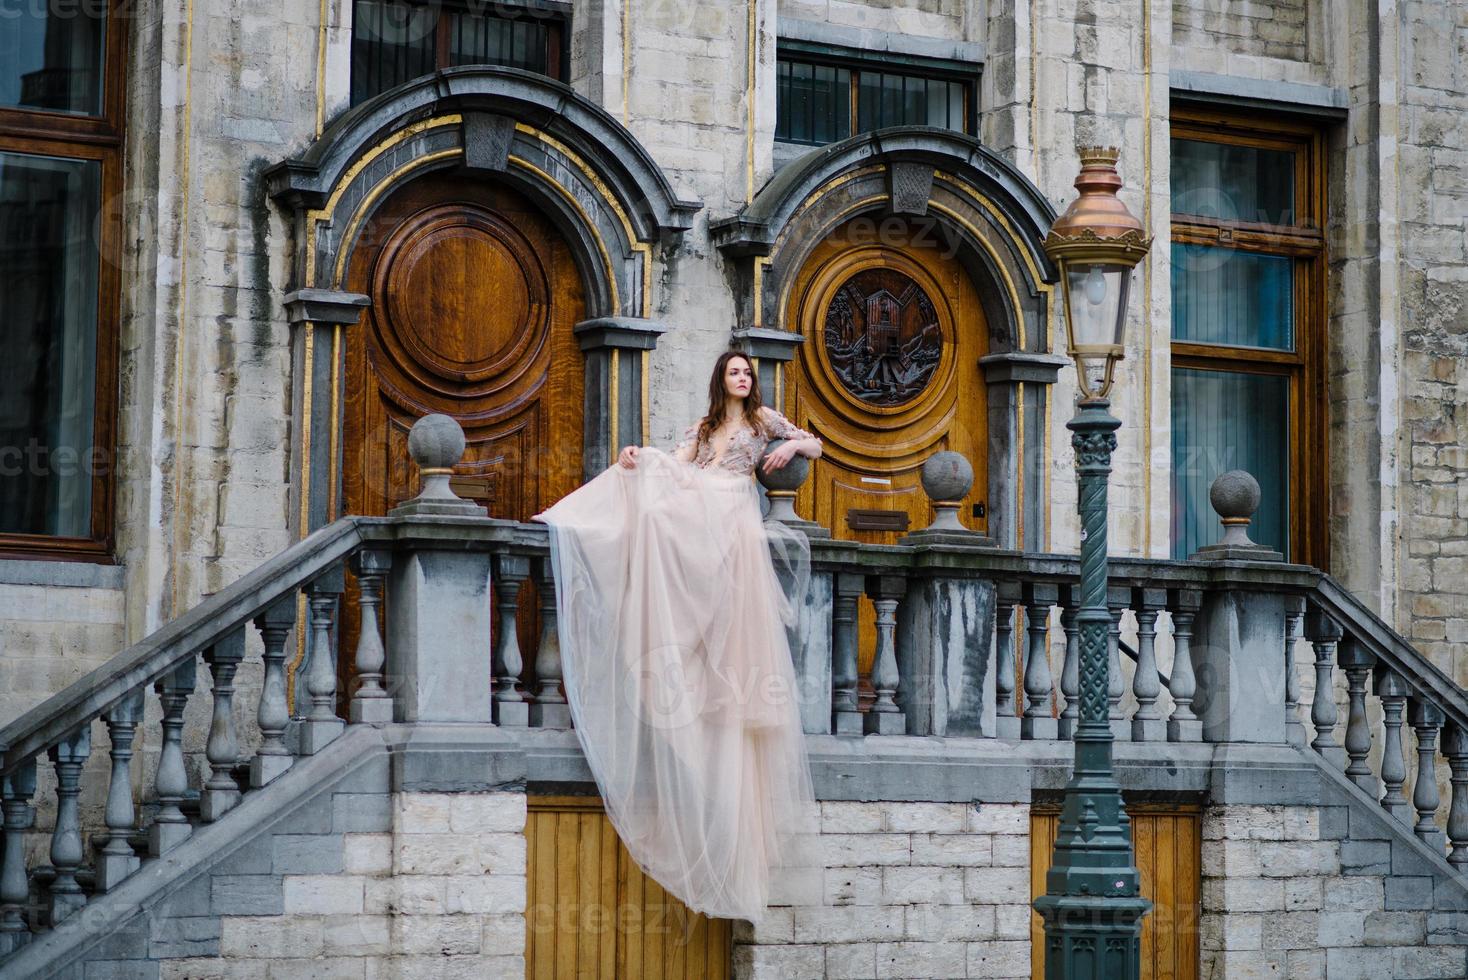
(344, 842)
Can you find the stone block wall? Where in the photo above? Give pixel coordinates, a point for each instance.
(1270, 28)
(1323, 891)
(937, 890)
(1433, 329)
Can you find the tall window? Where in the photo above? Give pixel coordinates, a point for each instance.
(825, 94)
(1248, 326)
(395, 41)
(61, 100)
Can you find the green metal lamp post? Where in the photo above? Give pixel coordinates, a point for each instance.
(1092, 904)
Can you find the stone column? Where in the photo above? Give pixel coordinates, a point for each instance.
(438, 609)
(616, 349)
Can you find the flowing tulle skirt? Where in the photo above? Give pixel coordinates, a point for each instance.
(672, 602)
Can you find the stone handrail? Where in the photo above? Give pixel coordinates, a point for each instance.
(154, 657)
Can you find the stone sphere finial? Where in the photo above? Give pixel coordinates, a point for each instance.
(787, 478)
(436, 443)
(947, 476)
(1235, 496)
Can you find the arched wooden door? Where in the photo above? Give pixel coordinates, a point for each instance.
(887, 376)
(474, 296)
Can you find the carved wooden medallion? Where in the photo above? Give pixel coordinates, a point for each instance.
(882, 337)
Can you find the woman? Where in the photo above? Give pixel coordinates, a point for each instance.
(672, 621)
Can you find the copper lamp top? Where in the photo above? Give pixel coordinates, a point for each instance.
(1097, 220)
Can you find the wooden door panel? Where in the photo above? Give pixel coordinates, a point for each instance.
(474, 297)
(1168, 845)
(887, 376)
(594, 915)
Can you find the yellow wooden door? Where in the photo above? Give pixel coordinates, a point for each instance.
(591, 914)
(888, 375)
(1167, 840)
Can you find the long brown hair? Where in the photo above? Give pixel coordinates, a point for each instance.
(753, 402)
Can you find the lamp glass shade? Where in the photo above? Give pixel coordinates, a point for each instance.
(1095, 307)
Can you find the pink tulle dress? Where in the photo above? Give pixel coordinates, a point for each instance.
(673, 602)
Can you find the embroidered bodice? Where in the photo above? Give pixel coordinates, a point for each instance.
(745, 446)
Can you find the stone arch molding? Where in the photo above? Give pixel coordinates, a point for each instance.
(611, 202)
(593, 178)
(998, 220)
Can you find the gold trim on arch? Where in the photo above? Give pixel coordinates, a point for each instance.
(641, 248)
(317, 216)
(601, 246)
(386, 184)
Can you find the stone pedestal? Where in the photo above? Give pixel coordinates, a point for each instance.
(1238, 659)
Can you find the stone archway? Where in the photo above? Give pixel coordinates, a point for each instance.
(594, 183)
(991, 217)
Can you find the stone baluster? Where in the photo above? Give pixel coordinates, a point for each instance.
(886, 716)
(1427, 721)
(846, 719)
(1148, 724)
(68, 756)
(1070, 672)
(170, 827)
(321, 726)
(16, 790)
(550, 709)
(273, 758)
(1358, 662)
(371, 704)
(1184, 725)
(1294, 606)
(1393, 693)
(1324, 633)
(1455, 747)
(118, 860)
(510, 707)
(221, 793)
(1039, 721)
(1118, 598)
(1006, 716)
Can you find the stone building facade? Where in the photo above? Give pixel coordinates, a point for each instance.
(208, 455)
(654, 143)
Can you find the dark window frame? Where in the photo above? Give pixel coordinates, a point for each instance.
(1303, 240)
(855, 61)
(100, 138)
(556, 17)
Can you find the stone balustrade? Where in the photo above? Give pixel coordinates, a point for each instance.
(970, 642)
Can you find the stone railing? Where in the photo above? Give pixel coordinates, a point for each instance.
(963, 639)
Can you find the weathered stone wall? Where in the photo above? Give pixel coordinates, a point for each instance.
(1433, 209)
(909, 890)
(1270, 28)
(961, 20)
(1322, 891)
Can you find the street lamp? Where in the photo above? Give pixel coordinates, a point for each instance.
(1092, 904)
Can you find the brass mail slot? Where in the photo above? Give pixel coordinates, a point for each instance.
(859, 519)
(473, 487)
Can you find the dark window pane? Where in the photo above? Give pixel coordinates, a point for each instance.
(48, 212)
(51, 56)
(812, 104)
(1221, 421)
(392, 43)
(1233, 183)
(1225, 296)
(478, 39)
(914, 102)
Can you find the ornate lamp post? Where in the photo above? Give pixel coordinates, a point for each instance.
(1092, 904)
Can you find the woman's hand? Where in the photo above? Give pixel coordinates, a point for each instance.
(780, 455)
(627, 458)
